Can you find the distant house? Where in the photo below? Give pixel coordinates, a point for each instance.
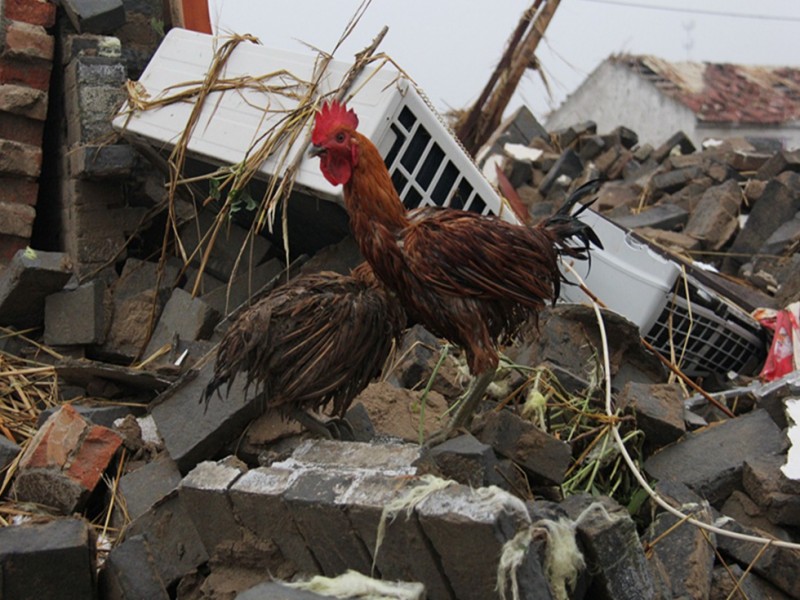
(656, 98)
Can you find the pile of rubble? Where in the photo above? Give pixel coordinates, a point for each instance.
(118, 481)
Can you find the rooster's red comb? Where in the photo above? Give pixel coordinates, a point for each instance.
(332, 114)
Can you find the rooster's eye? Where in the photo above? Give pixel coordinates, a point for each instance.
(340, 138)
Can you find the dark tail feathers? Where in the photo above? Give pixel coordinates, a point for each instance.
(567, 226)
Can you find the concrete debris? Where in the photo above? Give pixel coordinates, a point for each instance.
(193, 498)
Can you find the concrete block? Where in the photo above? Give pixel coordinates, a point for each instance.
(31, 276)
(312, 501)
(213, 425)
(539, 454)
(257, 501)
(65, 461)
(724, 448)
(93, 91)
(88, 44)
(612, 549)
(242, 288)
(51, 560)
(204, 493)
(185, 317)
(8, 452)
(173, 540)
(142, 488)
(76, 316)
(95, 16)
(130, 573)
(469, 529)
(569, 164)
(405, 553)
(111, 161)
(23, 100)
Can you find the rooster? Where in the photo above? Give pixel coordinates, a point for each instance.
(475, 280)
(318, 339)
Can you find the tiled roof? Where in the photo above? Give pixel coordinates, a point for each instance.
(725, 93)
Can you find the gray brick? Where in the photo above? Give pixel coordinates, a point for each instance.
(173, 540)
(29, 279)
(185, 317)
(204, 492)
(52, 560)
(110, 161)
(144, 487)
(313, 503)
(257, 500)
(212, 426)
(130, 573)
(76, 316)
(95, 16)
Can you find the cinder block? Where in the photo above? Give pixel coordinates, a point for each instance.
(204, 492)
(213, 425)
(95, 16)
(144, 487)
(51, 560)
(257, 502)
(111, 161)
(173, 540)
(20, 159)
(76, 316)
(23, 100)
(31, 276)
(88, 44)
(130, 573)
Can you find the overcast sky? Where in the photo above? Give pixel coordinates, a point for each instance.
(451, 46)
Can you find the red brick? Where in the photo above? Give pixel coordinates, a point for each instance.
(20, 159)
(29, 73)
(17, 190)
(36, 12)
(93, 456)
(21, 129)
(16, 219)
(9, 246)
(55, 441)
(22, 100)
(23, 40)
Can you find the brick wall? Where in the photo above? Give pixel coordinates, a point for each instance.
(26, 57)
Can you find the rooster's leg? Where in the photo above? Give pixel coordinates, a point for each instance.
(332, 429)
(466, 409)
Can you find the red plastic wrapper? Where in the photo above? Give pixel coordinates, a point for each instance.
(784, 353)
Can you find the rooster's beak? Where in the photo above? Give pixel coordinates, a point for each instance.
(316, 151)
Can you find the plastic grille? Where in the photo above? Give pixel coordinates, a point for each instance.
(421, 171)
